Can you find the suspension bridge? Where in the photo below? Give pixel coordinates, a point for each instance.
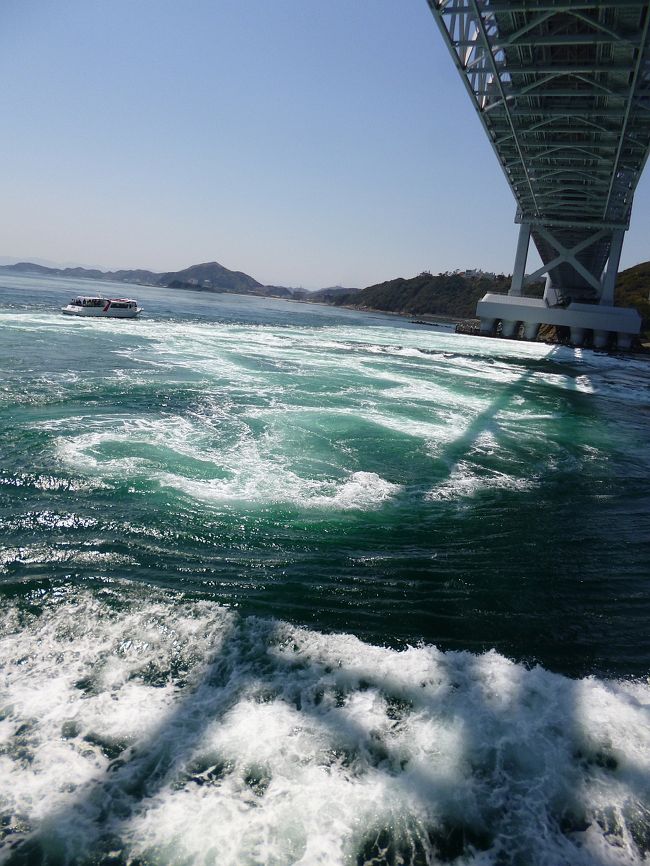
(563, 92)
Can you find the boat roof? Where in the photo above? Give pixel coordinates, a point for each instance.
(103, 298)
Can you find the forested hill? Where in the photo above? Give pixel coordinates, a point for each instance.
(456, 294)
(443, 294)
(633, 289)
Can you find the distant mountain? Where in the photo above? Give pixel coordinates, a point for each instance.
(33, 268)
(216, 275)
(82, 273)
(206, 277)
(330, 295)
(11, 260)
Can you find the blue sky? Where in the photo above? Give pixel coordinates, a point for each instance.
(305, 143)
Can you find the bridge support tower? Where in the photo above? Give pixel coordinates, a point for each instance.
(562, 89)
(587, 308)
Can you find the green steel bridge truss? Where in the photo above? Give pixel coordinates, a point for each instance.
(563, 92)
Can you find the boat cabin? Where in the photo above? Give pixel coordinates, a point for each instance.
(123, 304)
(84, 301)
(113, 303)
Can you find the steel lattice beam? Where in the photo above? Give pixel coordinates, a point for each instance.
(562, 89)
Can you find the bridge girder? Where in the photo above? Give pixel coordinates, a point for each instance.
(562, 89)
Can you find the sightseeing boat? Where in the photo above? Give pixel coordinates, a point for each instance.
(113, 308)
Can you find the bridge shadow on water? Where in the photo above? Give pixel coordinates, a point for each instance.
(484, 421)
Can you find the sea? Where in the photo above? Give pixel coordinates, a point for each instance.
(291, 584)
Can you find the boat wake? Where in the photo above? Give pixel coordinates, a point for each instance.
(144, 727)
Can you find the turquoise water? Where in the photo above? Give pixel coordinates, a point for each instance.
(288, 584)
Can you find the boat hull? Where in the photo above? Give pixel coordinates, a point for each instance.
(100, 313)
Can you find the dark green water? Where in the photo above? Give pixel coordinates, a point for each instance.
(276, 578)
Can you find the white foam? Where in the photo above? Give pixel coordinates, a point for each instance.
(42, 554)
(245, 741)
(271, 483)
(259, 450)
(255, 469)
(467, 480)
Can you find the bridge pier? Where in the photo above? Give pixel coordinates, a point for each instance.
(577, 336)
(605, 323)
(601, 339)
(487, 327)
(508, 328)
(531, 329)
(579, 291)
(521, 257)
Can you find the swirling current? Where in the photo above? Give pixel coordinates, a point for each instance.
(284, 584)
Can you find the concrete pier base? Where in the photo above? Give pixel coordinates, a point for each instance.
(487, 327)
(577, 336)
(531, 330)
(601, 339)
(623, 341)
(601, 319)
(508, 328)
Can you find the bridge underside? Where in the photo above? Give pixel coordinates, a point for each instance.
(563, 92)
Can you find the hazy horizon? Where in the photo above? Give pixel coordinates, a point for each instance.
(9, 260)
